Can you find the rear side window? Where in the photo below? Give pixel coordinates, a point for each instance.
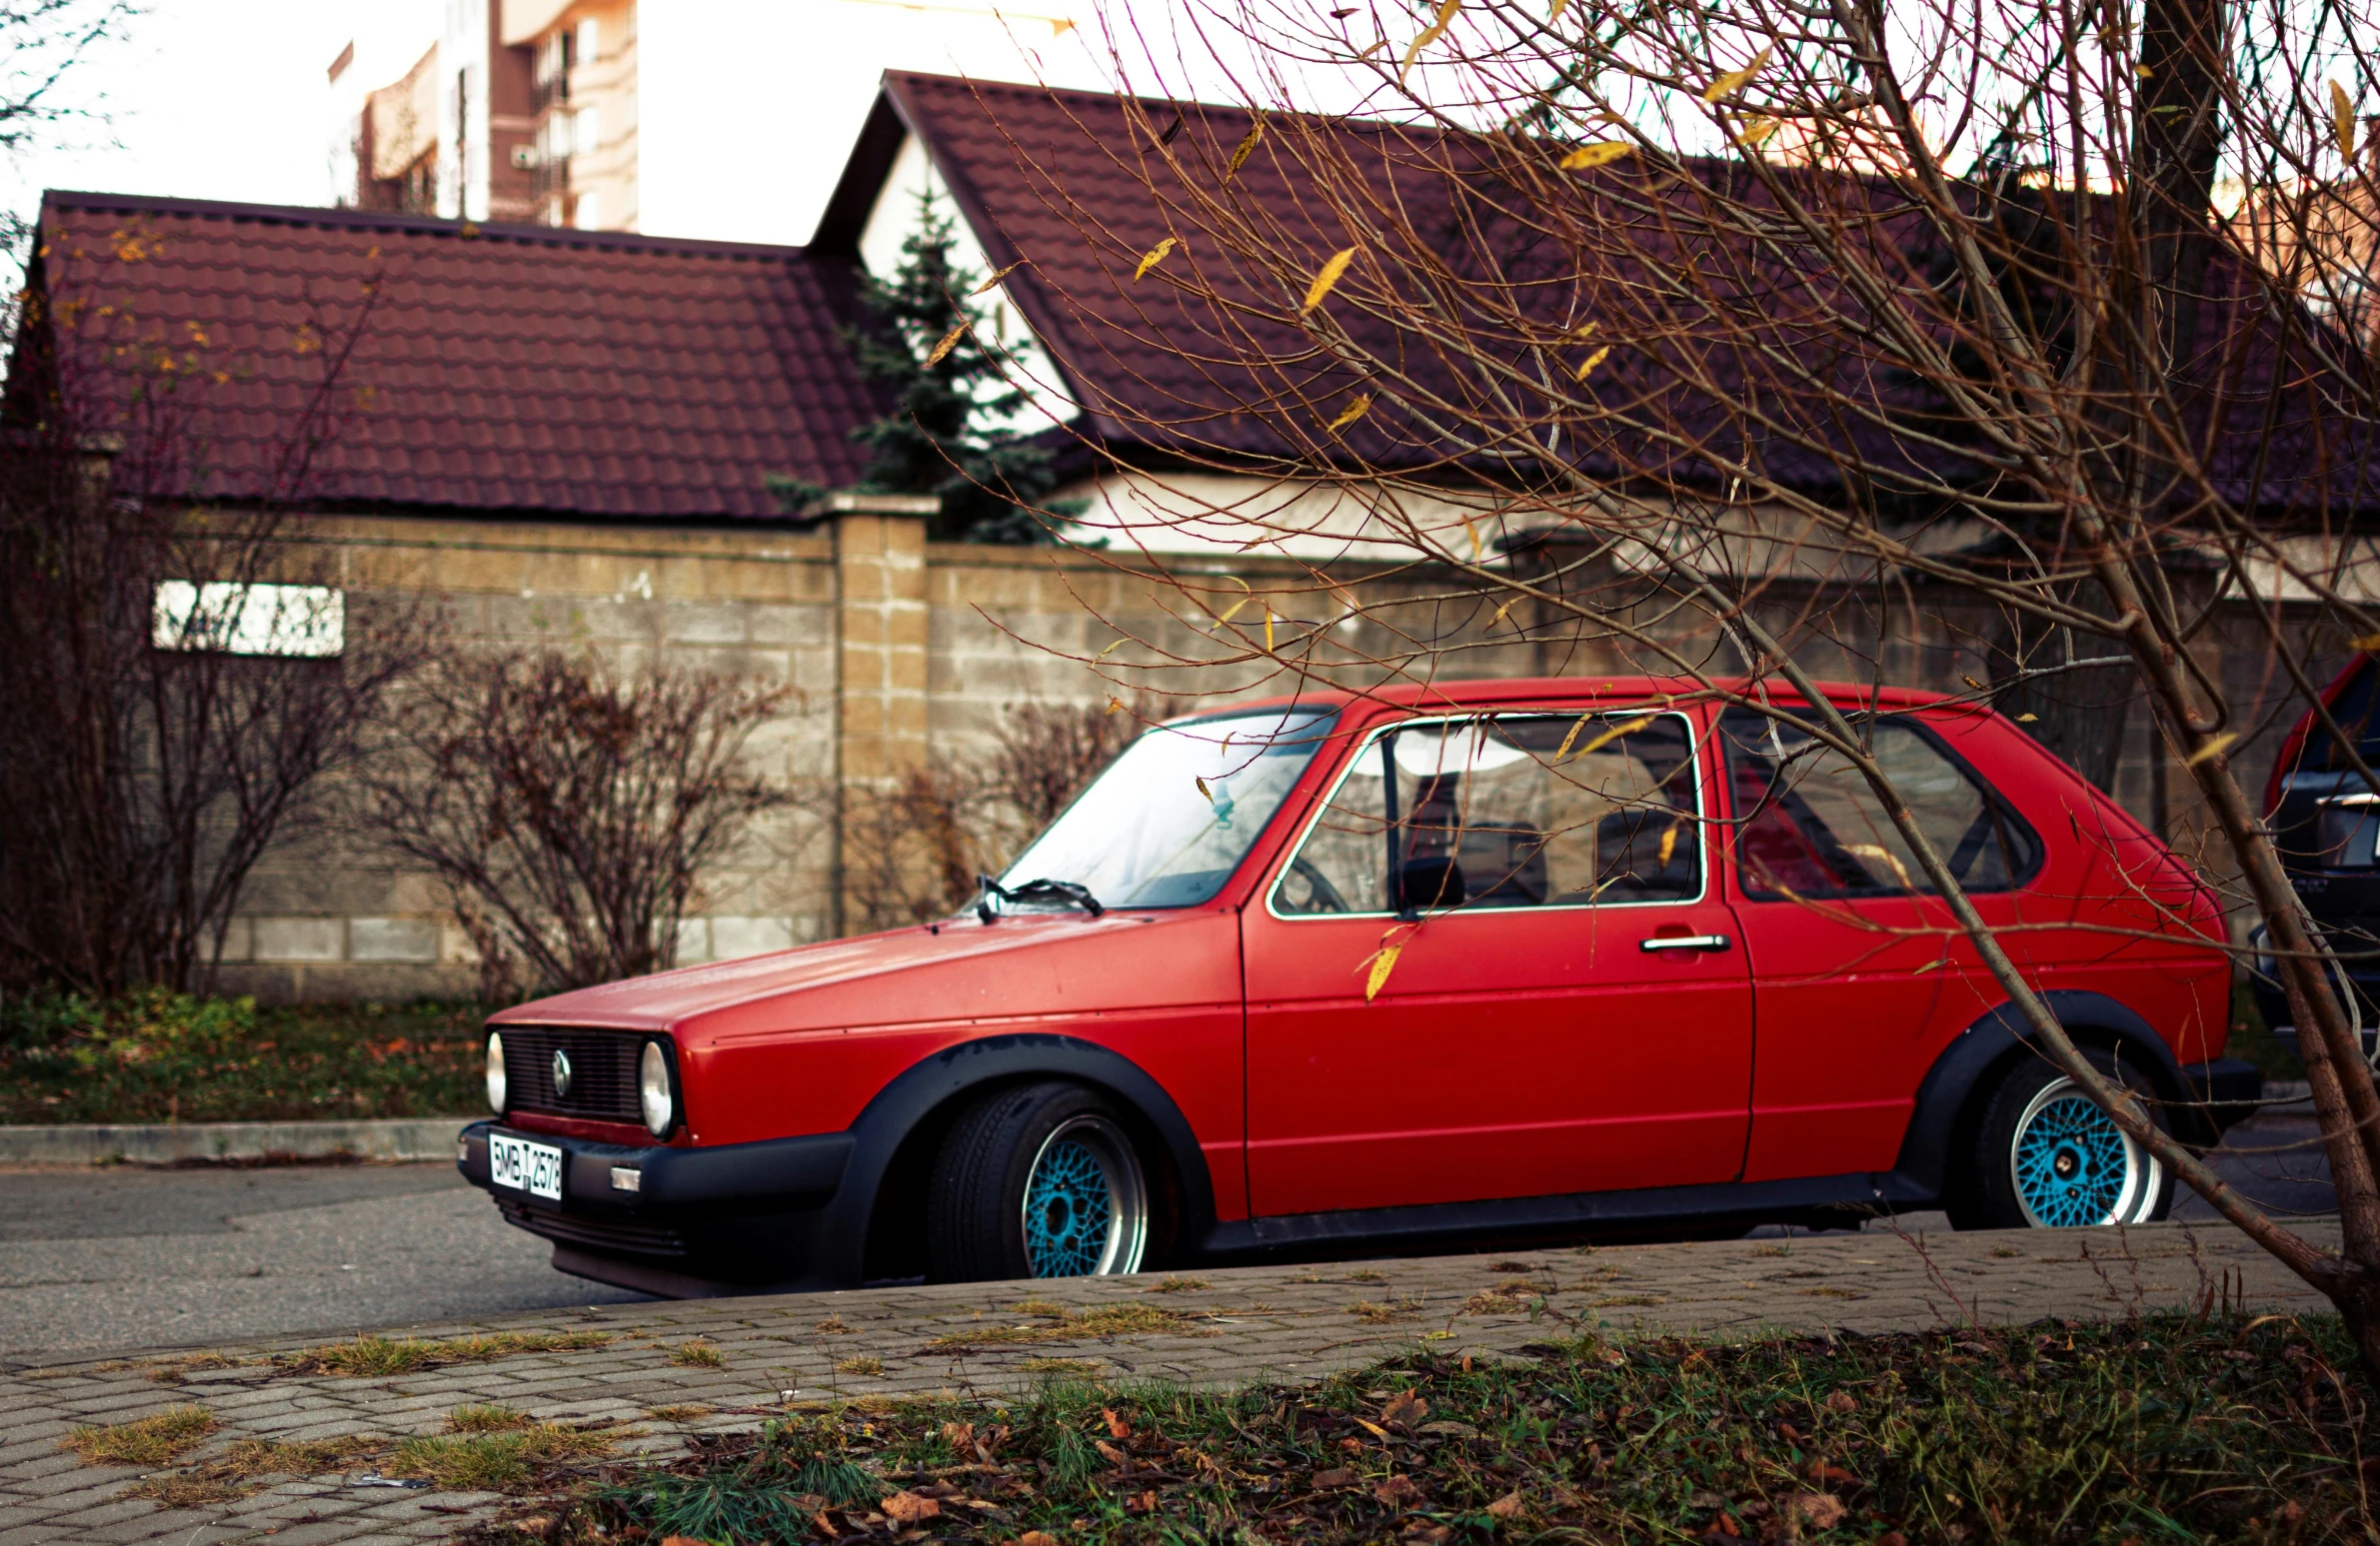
(1808, 826)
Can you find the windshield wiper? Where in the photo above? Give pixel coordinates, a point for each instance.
(1033, 891)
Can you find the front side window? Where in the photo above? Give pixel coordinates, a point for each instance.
(1178, 808)
(1809, 824)
(1509, 810)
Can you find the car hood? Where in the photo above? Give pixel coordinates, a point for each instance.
(1017, 968)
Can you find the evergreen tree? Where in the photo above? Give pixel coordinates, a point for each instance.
(941, 435)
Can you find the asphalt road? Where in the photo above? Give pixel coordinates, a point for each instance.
(128, 1257)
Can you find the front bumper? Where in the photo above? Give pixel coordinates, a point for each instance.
(669, 1220)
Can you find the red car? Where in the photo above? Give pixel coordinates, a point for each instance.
(1492, 961)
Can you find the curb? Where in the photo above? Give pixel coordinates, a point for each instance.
(160, 1143)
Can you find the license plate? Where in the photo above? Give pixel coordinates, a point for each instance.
(535, 1168)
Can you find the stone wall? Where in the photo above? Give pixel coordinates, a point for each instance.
(905, 657)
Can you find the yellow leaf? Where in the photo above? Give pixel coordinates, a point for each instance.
(1592, 360)
(1268, 631)
(1248, 148)
(950, 341)
(1734, 81)
(1383, 963)
(2028, 719)
(1429, 34)
(1151, 258)
(1375, 48)
(1355, 409)
(2142, 72)
(1110, 649)
(1499, 613)
(2367, 641)
(1000, 275)
(1227, 613)
(1668, 846)
(1564, 750)
(1372, 1428)
(1601, 153)
(1555, 14)
(1326, 278)
(1204, 792)
(2215, 746)
(1585, 330)
(1608, 737)
(1879, 852)
(1756, 132)
(2342, 119)
(1116, 705)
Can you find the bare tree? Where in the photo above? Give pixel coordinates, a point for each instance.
(568, 810)
(1709, 341)
(182, 678)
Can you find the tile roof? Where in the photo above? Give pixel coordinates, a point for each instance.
(482, 368)
(1201, 355)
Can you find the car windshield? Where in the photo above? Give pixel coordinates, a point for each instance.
(1176, 810)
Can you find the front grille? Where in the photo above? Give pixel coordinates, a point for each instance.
(602, 1234)
(603, 1073)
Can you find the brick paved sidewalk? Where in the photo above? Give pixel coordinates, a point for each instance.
(655, 1372)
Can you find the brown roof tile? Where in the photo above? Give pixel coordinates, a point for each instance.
(492, 368)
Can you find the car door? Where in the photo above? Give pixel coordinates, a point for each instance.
(1862, 976)
(1562, 1005)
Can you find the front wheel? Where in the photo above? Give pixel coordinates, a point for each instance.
(2045, 1156)
(1039, 1180)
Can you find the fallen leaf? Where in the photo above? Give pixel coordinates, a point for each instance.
(1601, 153)
(1114, 1456)
(1429, 34)
(2342, 119)
(1405, 1409)
(1326, 279)
(960, 1435)
(535, 1524)
(1248, 148)
(1151, 258)
(1336, 1476)
(907, 1508)
(672, 1540)
(1396, 1490)
(1816, 1510)
(1734, 81)
(950, 341)
(1372, 1428)
(1505, 1507)
(1117, 1428)
(1037, 1538)
(1842, 1401)
(1355, 408)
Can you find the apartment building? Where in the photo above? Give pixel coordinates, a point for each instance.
(720, 120)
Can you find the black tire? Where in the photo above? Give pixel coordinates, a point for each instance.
(2041, 1156)
(1094, 1193)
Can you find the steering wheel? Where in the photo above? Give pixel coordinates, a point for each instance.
(1322, 895)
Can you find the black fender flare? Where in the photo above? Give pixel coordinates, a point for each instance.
(1977, 1053)
(896, 1112)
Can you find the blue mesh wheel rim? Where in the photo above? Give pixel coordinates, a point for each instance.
(1083, 1208)
(2074, 1167)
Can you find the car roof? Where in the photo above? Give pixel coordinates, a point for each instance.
(1497, 692)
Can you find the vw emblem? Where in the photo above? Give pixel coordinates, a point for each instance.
(561, 1076)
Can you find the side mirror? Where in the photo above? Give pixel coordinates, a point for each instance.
(1429, 883)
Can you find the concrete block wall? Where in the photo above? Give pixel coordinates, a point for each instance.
(904, 654)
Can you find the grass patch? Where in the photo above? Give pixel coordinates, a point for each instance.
(307, 1458)
(372, 1357)
(686, 1412)
(484, 1461)
(485, 1419)
(2168, 1430)
(698, 1355)
(157, 1439)
(1065, 1325)
(1079, 1368)
(156, 1056)
(1179, 1286)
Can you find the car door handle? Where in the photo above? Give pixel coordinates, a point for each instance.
(1685, 942)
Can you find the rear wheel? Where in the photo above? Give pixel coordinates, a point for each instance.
(2045, 1156)
(1039, 1180)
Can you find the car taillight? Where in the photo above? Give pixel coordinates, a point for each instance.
(495, 1072)
(653, 1087)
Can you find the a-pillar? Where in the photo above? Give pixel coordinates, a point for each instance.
(879, 575)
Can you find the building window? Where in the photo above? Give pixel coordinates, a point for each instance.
(587, 214)
(304, 621)
(586, 132)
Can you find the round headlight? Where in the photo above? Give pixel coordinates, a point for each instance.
(653, 1085)
(495, 1072)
